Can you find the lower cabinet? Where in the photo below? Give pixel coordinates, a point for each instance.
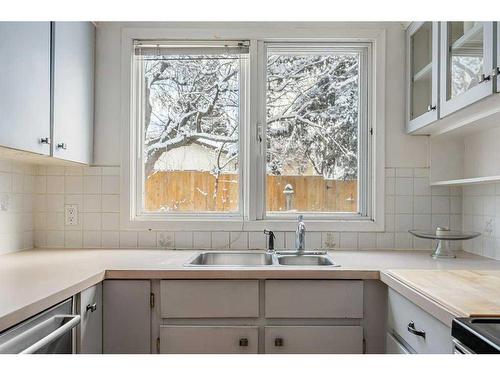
(89, 331)
(209, 340)
(394, 346)
(126, 317)
(236, 316)
(252, 316)
(419, 331)
(314, 340)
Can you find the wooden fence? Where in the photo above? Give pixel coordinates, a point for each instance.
(184, 191)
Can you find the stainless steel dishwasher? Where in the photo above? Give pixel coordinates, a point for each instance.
(50, 332)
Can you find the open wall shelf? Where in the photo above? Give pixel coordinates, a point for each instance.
(466, 158)
(467, 181)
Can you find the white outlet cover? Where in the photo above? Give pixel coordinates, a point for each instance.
(71, 214)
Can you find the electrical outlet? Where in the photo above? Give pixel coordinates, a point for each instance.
(71, 214)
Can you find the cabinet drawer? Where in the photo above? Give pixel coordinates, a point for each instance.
(393, 346)
(208, 340)
(314, 299)
(314, 340)
(209, 298)
(401, 312)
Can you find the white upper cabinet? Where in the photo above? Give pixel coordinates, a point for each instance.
(25, 86)
(422, 56)
(497, 67)
(466, 64)
(73, 91)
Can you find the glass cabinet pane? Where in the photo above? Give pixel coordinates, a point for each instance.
(465, 46)
(421, 70)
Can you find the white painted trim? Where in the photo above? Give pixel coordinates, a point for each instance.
(308, 32)
(364, 139)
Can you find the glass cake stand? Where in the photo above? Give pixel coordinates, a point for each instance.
(444, 236)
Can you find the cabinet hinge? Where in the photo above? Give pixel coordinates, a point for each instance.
(371, 131)
(152, 300)
(158, 345)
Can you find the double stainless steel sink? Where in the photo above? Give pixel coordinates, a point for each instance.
(260, 259)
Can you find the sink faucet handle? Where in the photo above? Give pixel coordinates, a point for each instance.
(271, 238)
(300, 218)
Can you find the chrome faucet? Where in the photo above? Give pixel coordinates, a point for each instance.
(300, 235)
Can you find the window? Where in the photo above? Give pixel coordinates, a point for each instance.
(190, 111)
(223, 130)
(314, 119)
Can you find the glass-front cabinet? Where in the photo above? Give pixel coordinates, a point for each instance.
(497, 67)
(466, 64)
(422, 41)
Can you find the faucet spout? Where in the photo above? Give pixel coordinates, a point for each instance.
(300, 235)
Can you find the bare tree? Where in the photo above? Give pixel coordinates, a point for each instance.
(312, 110)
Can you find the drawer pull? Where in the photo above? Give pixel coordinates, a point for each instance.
(92, 307)
(243, 341)
(416, 332)
(278, 341)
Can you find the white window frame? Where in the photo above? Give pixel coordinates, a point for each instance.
(364, 139)
(200, 47)
(253, 173)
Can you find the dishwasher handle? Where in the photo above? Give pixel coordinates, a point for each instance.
(73, 321)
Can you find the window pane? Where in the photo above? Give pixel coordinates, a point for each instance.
(421, 70)
(191, 132)
(466, 53)
(312, 132)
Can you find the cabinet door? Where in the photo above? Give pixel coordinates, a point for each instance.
(422, 56)
(314, 340)
(73, 79)
(89, 333)
(497, 68)
(466, 64)
(25, 86)
(127, 317)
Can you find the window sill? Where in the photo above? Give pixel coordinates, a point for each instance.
(234, 224)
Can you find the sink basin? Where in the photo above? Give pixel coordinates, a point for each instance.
(305, 260)
(259, 259)
(235, 259)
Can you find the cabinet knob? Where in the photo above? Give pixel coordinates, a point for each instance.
(243, 341)
(431, 107)
(62, 146)
(45, 140)
(278, 341)
(484, 78)
(92, 307)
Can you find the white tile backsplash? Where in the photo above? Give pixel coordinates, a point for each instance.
(481, 213)
(410, 203)
(146, 239)
(220, 240)
(183, 240)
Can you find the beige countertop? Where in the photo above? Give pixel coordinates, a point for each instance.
(33, 280)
